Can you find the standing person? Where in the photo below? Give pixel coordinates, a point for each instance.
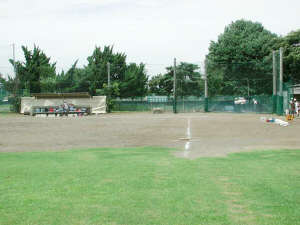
(293, 108)
(66, 108)
(297, 107)
(255, 104)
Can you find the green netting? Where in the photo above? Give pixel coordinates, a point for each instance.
(141, 105)
(4, 100)
(183, 104)
(190, 104)
(253, 104)
(3, 93)
(9, 100)
(221, 104)
(288, 95)
(284, 90)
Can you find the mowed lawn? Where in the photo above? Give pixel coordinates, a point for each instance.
(149, 186)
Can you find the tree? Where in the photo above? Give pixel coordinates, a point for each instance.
(96, 70)
(291, 52)
(188, 81)
(160, 85)
(36, 67)
(111, 93)
(241, 55)
(135, 81)
(69, 81)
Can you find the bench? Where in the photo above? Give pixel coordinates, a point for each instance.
(57, 111)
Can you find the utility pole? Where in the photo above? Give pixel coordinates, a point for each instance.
(281, 71)
(248, 87)
(205, 88)
(15, 70)
(108, 75)
(274, 97)
(174, 88)
(108, 99)
(14, 57)
(274, 73)
(280, 102)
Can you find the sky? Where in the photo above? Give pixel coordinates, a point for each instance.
(150, 31)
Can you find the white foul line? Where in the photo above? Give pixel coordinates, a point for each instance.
(187, 144)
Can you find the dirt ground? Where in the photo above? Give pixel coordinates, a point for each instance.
(194, 134)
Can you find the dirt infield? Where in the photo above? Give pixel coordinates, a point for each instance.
(194, 135)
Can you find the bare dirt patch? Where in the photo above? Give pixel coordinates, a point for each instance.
(211, 134)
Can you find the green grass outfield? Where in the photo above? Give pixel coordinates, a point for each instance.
(149, 186)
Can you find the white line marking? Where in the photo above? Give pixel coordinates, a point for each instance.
(186, 151)
(188, 143)
(189, 129)
(187, 146)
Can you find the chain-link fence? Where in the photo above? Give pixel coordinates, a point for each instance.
(10, 102)
(234, 104)
(143, 104)
(282, 87)
(4, 100)
(253, 104)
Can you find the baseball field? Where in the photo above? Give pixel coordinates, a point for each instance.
(143, 168)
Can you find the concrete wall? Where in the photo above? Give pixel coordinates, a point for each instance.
(97, 103)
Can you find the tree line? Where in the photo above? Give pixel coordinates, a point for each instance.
(238, 63)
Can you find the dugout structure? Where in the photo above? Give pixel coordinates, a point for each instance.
(96, 103)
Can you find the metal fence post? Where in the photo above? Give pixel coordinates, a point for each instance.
(205, 89)
(274, 97)
(174, 89)
(280, 98)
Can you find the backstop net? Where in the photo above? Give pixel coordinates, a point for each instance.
(4, 99)
(239, 87)
(283, 87)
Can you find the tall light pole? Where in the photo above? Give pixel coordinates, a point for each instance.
(14, 57)
(274, 73)
(174, 88)
(108, 75)
(281, 71)
(280, 97)
(205, 87)
(15, 70)
(274, 97)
